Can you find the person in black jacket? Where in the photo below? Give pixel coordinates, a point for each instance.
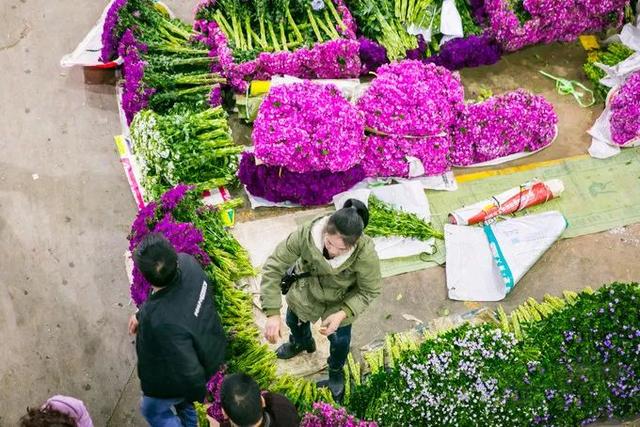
(180, 341)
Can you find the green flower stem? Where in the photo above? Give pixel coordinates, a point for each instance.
(258, 39)
(324, 28)
(274, 39)
(247, 26)
(314, 25)
(283, 37)
(331, 24)
(223, 24)
(293, 25)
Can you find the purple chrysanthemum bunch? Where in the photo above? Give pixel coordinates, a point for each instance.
(625, 111)
(515, 122)
(409, 110)
(326, 415)
(277, 184)
(135, 96)
(307, 127)
(516, 24)
(156, 217)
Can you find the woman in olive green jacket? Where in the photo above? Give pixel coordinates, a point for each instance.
(341, 276)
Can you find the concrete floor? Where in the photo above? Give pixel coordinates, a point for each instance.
(65, 210)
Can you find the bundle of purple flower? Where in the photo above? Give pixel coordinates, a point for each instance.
(308, 127)
(334, 59)
(325, 415)
(214, 389)
(546, 21)
(471, 51)
(511, 123)
(156, 217)
(625, 109)
(409, 110)
(372, 55)
(109, 42)
(135, 96)
(276, 184)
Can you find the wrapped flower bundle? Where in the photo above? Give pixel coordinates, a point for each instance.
(187, 147)
(399, 25)
(502, 125)
(610, 55)
(151, 25)
(161, 81)
(625, 111)
(409, 110)
(306, 127)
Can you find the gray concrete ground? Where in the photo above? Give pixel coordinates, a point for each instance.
(65, 209)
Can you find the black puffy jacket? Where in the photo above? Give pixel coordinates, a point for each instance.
(180, 340)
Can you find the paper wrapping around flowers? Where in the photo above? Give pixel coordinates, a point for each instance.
(603, 144)
(87, 52)
(510, 157)
(472, 273)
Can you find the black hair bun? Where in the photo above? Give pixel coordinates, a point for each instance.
(360, 208)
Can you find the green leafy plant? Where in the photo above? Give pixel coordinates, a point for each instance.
(611, 55)
(386, 221)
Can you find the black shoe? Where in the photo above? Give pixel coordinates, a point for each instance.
(335, 384)
(289, 349)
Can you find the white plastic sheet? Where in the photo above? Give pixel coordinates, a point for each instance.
(87, 53)
(471, 270)
(407, 196)
(450, 22)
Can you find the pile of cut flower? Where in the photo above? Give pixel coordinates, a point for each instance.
(566, 361)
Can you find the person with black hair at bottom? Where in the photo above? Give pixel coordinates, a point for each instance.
(58, 411)
(244, 406)
(180, 341)
(333, 273)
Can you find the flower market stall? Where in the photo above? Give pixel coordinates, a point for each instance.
(406, 117)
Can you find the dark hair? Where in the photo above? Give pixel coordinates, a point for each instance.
(349, 221)
(157, 259)
(240, 396)
(46, 417)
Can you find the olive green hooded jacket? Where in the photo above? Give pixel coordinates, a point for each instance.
(350, 287)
